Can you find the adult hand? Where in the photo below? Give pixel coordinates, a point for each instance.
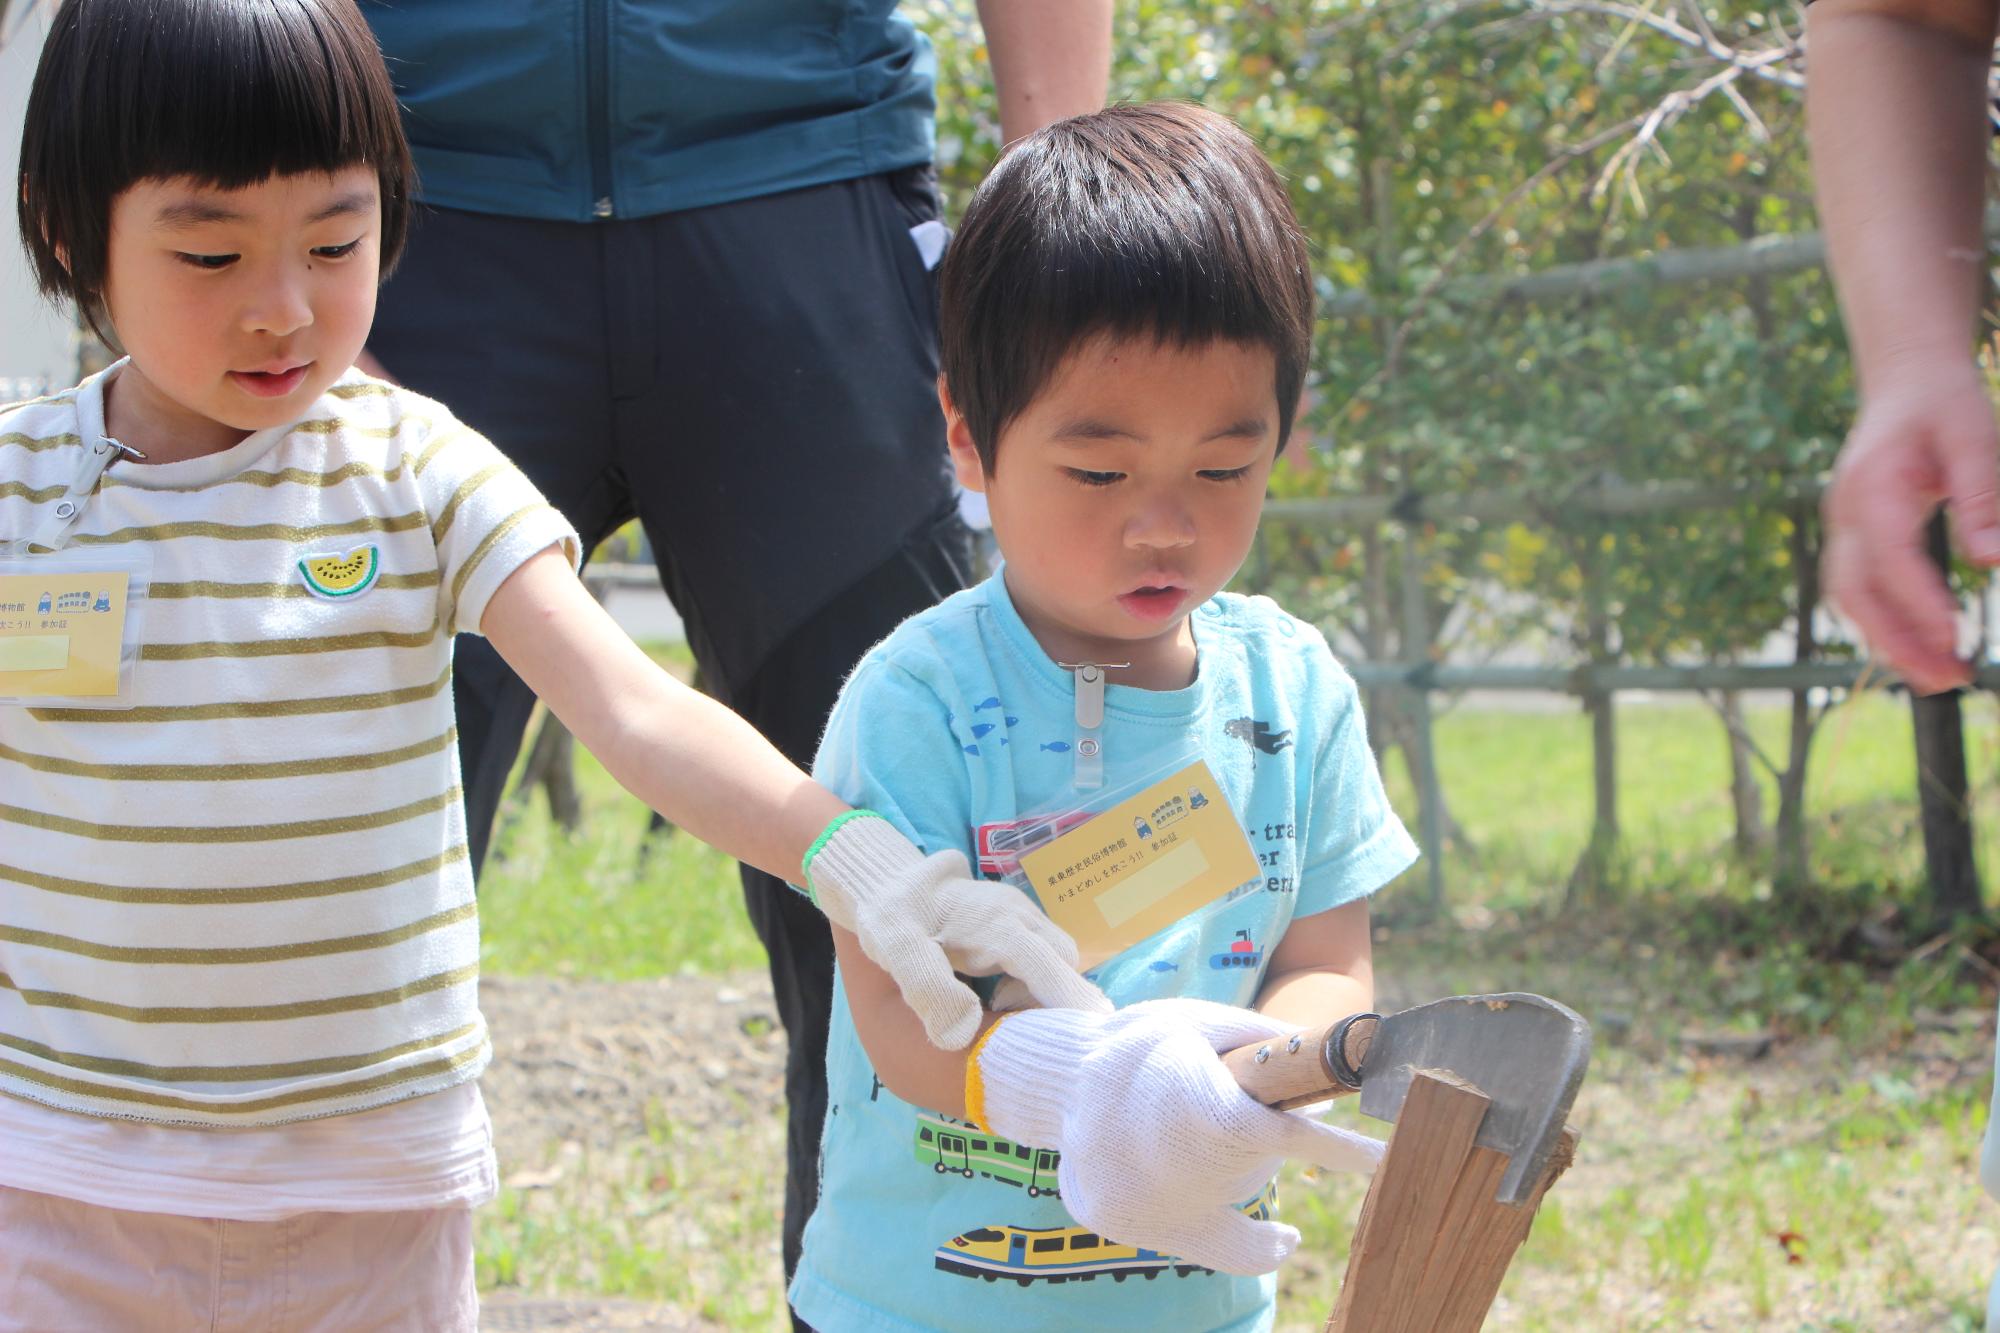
(1160, 1147)
(922, 918)
(1922, 439)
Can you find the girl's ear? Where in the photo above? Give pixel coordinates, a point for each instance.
(965, 462)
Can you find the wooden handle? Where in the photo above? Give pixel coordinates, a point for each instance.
(1309, 1067)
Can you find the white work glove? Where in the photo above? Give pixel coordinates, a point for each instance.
(1160, 1147)
(921, 918)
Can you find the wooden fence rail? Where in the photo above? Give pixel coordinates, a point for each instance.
(1596, 680)
(1761, 257)
(1592, 679)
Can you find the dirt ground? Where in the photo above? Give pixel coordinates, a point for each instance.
(581, 1061)
(583, 1070)
(581, 1064)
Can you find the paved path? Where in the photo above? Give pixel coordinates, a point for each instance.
(533, 1314)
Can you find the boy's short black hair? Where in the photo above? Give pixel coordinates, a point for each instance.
(229, 92)
(1159, 220)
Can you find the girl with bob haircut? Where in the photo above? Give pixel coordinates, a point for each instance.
(239, 1023)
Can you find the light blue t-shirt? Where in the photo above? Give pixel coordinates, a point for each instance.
(959, 720)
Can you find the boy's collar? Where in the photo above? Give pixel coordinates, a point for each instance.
(1127, 699)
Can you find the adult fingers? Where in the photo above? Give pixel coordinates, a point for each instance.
(1898, 602)
(1877, 571)
(1970, 452)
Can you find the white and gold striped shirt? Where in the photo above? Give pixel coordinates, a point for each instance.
(245, 900)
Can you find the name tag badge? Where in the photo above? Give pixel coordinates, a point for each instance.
(69, 628)
(1166, 851)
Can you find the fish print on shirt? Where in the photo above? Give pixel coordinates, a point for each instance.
(1258, 735)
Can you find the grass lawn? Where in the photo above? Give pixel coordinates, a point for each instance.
(1829, 1186)
(614, 902)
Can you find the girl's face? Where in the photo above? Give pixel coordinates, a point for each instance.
(238, 307)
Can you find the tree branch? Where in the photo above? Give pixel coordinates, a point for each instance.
(1713, 699)
(1400, 337)
(1774, 64)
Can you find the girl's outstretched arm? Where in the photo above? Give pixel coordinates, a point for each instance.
(676, 749)
(710, 772)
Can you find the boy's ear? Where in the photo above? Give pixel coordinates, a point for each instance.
(965, 462)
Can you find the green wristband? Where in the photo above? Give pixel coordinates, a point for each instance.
(826, 836)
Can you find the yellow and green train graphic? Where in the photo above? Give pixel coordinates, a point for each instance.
(952, 1145)
(1050, 1254)
(1066, 1254)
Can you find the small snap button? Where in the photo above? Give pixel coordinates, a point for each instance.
(65, 509)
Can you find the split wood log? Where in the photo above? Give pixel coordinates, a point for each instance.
(1433, 1244)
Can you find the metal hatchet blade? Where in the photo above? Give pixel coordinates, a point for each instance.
(1525, 1052)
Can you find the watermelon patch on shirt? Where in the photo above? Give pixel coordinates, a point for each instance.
(338, 577)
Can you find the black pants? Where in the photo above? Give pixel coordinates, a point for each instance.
(788, 701)
(756, 383)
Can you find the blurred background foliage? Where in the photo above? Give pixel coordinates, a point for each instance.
(1435, 143)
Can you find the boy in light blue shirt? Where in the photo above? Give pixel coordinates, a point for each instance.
(1127, 319)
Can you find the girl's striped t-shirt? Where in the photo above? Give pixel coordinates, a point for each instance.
(245, 898)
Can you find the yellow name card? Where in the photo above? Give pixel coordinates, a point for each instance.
(62, 633)
(1142, 865)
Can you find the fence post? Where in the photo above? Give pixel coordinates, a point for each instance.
(1942, 792)
(1417, 692)
(1588, 880)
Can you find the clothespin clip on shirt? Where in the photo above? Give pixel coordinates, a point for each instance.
(1088, 748)
(54, 531)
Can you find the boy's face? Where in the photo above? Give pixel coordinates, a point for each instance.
(238, 307)
(1127, 493)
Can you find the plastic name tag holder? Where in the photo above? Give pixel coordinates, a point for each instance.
(71, 627)
(1132, 862)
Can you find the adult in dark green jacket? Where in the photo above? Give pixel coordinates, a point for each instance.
(676, 261)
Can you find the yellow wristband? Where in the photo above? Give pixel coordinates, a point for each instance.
(975, 1085)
